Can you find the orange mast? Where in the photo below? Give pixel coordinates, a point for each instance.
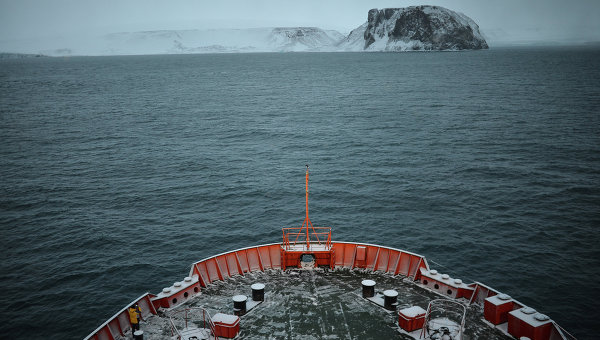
(297, 232)
(307, 220)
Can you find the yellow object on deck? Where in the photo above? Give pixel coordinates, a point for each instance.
(133, 315)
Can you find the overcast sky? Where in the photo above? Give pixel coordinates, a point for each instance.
(515, 19)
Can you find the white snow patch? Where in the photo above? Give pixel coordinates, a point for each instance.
(413, 312)
(225, 318)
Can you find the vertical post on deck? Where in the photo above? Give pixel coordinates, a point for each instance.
(307, 220)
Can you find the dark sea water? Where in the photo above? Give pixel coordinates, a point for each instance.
(116, 173)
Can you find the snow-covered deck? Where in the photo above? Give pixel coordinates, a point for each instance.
(308, 304)
(322, 302)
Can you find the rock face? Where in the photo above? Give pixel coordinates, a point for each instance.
(421, 28)
(354, 41)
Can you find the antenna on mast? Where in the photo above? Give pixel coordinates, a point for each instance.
(307, 219)
(321, 236)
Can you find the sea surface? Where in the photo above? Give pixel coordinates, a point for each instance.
(116, 173)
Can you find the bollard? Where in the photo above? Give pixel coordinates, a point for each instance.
(368, 288)
(239, 305)
(138, 335)
(258, 292)
(390, 299)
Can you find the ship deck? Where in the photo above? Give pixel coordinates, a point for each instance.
(318, 299)
(310, 304)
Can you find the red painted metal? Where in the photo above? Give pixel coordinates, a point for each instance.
(115, 327)
(227, 330)
(480, 293)
(307, 220)
(319, 235)
(520, 326)
(232, 265)
(265, 257)
(177, 297)
(219, 270)
(243, 257)
(411, 322)
(496, 311)
(275, 256)
(465, 292)
(312, 236)
(361, 253)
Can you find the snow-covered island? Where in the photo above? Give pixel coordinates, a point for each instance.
(390, 29)
(421, 28)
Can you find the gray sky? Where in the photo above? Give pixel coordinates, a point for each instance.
(543, 20)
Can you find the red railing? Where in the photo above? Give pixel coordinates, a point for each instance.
(174, 330)
(119, 324)
(268, 256)
(298, 236)
(306, 234)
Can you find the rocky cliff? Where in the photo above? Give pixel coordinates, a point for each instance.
(390, 29)
(421, 28)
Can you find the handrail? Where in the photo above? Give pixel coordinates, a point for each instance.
(173, 328)
(123, 310)
(313, 237)
(438, 306)
(564, 332)
(205, 313)
(211, 324)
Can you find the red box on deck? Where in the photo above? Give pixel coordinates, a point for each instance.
(226, 326)
(526, 322)
(496, 308)
(411, 318)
